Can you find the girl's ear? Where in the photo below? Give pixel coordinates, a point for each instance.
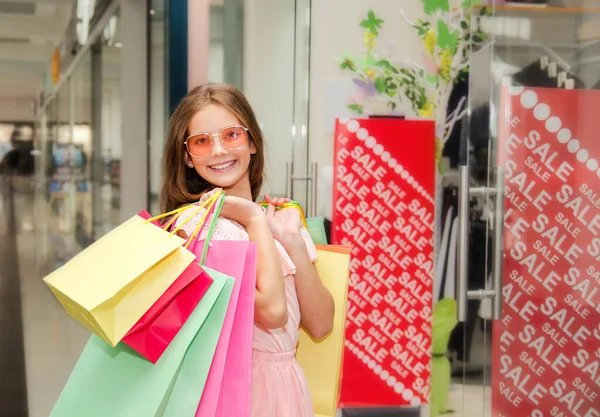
(252, 149)
(188, 160)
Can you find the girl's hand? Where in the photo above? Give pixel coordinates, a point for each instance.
(238, 209)
(285, 224)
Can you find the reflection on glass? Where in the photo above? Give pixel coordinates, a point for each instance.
(226, 42)
(109, 147)
(530, 93)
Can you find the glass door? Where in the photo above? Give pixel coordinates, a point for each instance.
(276, 82)
(528, 262)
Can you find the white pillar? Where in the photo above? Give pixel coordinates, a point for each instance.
(134, 107)
(198, 41)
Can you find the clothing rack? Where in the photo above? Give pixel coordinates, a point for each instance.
(479, 262)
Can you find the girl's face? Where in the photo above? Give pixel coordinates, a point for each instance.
(219, 149)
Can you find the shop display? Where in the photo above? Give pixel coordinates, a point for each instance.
(384, 209)
(389, 84)
(68, 169)
(546, 348)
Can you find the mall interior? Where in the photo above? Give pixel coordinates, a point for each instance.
(480, 114)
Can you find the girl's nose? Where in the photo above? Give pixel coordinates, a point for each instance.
(217, 147)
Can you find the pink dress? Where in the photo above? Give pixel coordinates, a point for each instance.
(279, 386)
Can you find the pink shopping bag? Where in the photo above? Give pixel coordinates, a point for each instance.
(227, 389)
(153, 333)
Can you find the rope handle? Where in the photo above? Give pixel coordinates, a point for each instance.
(202, 221)
(209, 203)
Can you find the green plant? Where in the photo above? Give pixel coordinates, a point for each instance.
(448, 36)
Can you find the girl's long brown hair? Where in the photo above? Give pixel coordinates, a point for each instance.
(182, 184)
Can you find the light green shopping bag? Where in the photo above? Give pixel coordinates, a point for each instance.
(118, 382)
(316, 229)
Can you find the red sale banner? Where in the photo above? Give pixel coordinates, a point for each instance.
(384, 208)
(546, 348)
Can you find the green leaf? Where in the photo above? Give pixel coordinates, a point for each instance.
(357, 108)
(365, 62)
(464, 25)
(347, 64)
(380, 84)
(432, 79)
(385, 64)
(483, 11)
(446, 39)
(431, 6)
(372, 23)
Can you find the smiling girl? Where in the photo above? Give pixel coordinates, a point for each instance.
(214, 142)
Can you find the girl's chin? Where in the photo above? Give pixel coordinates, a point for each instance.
(222, 181)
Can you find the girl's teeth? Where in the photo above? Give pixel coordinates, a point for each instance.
(223, 166)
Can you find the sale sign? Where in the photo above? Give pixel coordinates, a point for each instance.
(546, 348)
(384, 208)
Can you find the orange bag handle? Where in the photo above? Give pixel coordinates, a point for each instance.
(344, 249)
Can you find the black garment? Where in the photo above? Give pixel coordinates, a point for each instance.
(471, 133)
(327, 225)
(534, 76)
(17, 162)
(453, 144)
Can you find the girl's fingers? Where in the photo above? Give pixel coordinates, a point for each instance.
(270, 211)
(208, 195)
(276, 201)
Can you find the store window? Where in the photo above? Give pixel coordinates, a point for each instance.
(107, 103)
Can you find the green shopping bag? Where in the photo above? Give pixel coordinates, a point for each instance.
(316, 228)
(118, 382)
(444, 321)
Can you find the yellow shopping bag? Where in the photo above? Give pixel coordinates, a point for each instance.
(322, 360)
(111, 284)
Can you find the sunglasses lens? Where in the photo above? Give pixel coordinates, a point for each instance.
(199, 145)
(234, 137)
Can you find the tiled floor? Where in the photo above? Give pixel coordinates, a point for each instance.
(39, 343)
(13, 386)
(469, 401)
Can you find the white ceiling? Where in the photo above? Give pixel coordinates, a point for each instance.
(29, 31)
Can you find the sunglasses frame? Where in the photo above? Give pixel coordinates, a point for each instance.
(212, 140)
